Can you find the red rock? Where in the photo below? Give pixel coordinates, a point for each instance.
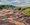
(19, 23)
(28, 20)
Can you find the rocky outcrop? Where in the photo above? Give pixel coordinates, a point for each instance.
(15, 17)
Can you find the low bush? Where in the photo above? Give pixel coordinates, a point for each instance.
(26, 11)
(17, 8)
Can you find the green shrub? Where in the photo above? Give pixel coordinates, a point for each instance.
(26, 11)
(17, 8)
(6, 7)
(1, 8)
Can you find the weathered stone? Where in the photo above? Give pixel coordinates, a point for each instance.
(28, 20)
(19, 23)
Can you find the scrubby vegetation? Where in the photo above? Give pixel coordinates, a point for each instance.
(26, 11)
(0, 7)
(6, 7)
(3, 6)
(17, 8)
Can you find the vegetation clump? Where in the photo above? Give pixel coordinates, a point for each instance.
(1, 7)
(6, 7)
(26, 11)
(17, 8)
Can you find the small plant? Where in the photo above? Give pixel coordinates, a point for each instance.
(6, 20)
